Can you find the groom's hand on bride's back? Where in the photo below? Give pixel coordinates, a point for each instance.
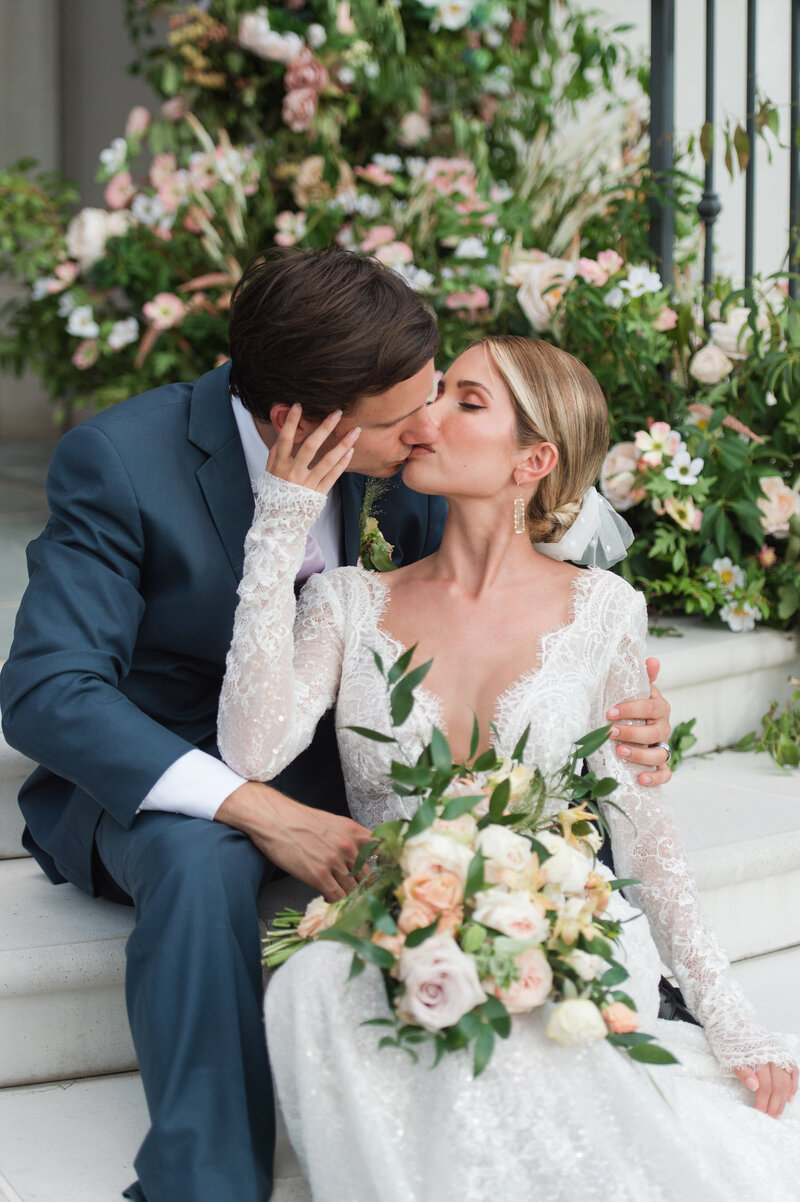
(312, 845)
(646, 744)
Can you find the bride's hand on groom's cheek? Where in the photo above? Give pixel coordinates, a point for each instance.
(645, 744)
(774, 1087)
(298, 458)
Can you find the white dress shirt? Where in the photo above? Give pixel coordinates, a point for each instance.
(198, 783)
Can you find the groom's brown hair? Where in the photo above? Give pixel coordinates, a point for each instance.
(323, 328)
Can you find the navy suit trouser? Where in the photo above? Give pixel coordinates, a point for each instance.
(194, 997)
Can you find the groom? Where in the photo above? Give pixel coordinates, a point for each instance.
(114, 675)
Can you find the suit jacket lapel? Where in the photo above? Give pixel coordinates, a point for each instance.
(352, 487)
(223, 478)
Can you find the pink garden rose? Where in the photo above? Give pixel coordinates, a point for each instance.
(379, 235)
(780, 504)
(119, 190)
(300, 109)
(164, 311)
(441, 984)
(306, 71)
(470, 303)
(532, 987)
(617, 476)
(591, 271)
(394, 253)
(667, 319)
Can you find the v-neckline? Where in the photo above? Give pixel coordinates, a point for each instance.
(577, 595)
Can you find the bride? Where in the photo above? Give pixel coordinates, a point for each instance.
(517, 636)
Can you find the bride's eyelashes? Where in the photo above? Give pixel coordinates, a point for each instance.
(467, 405)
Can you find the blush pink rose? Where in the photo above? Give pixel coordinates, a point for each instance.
(394, 253)
(300, 109)
(306, 71)
(119, 190)
(162, 168)
(591, 271)
(375, 174)
(618, 474)
(164, 311)
(778, 507)
(532, 987)
(667, 319)
(470, 303)
(379, 235)
(138, 121)
(441, 984)
(620, 1019)
(86, 354)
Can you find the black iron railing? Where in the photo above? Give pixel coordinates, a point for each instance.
(662, 100)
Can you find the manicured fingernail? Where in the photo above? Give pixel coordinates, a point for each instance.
(614, 732)
(612, 713)
(356, 430)
(625, 751)
(646, 780)
(752, 1083)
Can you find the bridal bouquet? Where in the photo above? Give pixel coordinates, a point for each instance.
(483, 905)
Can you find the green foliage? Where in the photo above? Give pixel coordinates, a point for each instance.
(780, 733)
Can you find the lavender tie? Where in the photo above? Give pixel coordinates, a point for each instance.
(313, 561)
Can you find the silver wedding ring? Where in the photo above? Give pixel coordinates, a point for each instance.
(668, 750)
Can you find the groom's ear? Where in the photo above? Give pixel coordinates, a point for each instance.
(538, 462)
(277, 416)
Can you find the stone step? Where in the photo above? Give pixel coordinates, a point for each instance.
(725, 680)
(14, 768)
(95, 1125)
(62, 1010)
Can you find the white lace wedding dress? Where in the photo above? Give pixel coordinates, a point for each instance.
(542, 1123)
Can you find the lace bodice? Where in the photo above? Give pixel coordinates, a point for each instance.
(288, 664)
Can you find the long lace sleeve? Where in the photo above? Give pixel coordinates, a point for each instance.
(283, 668)
(647, 847)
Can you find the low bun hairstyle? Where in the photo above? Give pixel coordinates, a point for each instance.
(556, 400)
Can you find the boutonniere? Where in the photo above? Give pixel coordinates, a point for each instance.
(375, 553)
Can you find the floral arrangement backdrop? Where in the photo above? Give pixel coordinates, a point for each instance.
(495, 156)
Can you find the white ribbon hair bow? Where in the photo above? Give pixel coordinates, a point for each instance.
(598, 537)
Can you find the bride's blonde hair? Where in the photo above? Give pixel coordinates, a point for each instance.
(556, 400)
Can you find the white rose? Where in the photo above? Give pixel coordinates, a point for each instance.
(512, 914)
(586, 965)
(733, 334)
(253, 28)
(542, 289)
(441, 983)
(780, 504)
(518, 776)
(89, 231)
(710, 365)
(463, 829)
(431, 851)
(576, 1021)
(504, 848)
(617, 475)
(567, 867)
(81, 322)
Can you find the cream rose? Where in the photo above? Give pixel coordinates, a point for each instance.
(567, 867)
(542, 289)
(430, 851)
(617, 475)
(316, 918)
(518, 776)
(504, 848)
(441, 984)
(513, 914)
(576, 1021)
(778, 507)
(586, 965)
(710, 364)
(464, 828)
(89, 231)
(733, 334)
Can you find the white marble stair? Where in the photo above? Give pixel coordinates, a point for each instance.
(724, 680)
(14, 768)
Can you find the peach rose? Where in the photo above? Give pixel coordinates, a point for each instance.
(392, 943)
(315, 919)
(449, 923)
(430, 851)
(532, 987)
(780, 504)
(710, 364)
(438, 888)
(415, 915)
(300, 109)
(620, 1019)
(617, 476)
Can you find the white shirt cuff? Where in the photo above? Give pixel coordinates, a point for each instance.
(195, 785)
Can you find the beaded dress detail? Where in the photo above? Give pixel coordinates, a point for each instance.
(542, 1122)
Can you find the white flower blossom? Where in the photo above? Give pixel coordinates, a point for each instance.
(415, 166)
(122, 333)
(493, 38)
(67, 302)
(148, 210)
(471, 248)
(41, 287)
(740, 615)
(389, 162)
(372, 70)
(316, 36)
(81, 322)
(417, 278)
(615, 298)
(731, 576)
(115, 156)
(346, 75)
(684, 469)
(368, 206)
(641, 280)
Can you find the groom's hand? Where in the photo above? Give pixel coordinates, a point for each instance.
(314, 846)
(640, 744)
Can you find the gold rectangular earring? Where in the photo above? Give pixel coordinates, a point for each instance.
(519, 515)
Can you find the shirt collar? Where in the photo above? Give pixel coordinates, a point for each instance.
(256, 451)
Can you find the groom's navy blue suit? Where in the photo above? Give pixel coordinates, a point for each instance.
(114, 673)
